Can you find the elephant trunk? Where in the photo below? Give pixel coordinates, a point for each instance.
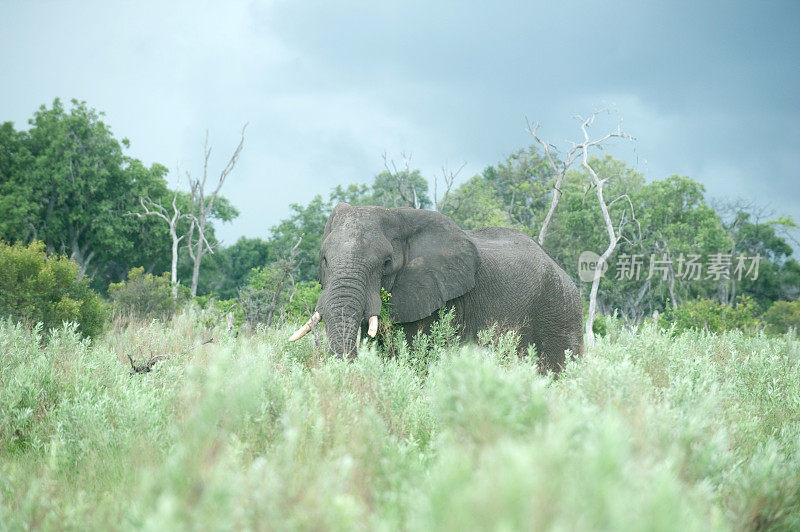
(343, 306)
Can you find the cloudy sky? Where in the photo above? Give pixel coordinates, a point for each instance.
(709, 89)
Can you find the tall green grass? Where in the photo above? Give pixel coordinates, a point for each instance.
(646, 432)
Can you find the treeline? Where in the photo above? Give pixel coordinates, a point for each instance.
(695, 251)
(67, 183)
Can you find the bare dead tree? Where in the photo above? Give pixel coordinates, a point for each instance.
(404, 180)
(151, 208)
(449, 177)
(615, 234)
(559, 168)
(203, 205)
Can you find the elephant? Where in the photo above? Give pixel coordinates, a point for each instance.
(493, 275)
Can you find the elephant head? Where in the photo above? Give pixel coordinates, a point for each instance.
(421, 257)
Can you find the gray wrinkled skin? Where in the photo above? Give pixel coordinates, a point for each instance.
(491, 275)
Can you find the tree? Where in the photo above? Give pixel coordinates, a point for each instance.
(448, 178)
(39, 288)
(474, 204)
(400, 187)
(778, 274)
(559, 169)
(676, 223)
(615, 233)
(16, 196)
(522, 183)
(173, 219)
(80, 172)
(787, 227)
(230, 267)
(203, 207)
(69, 184)
(271, 288)
(354, 194)
(306, 220)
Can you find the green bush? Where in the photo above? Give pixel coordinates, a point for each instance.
(782, 316)
(144, 296)
(270, 296)
(265, 295)
(220, 312)
(303, 301)
(599, 326)
(37, 288)
(714, 317)
(648, 431)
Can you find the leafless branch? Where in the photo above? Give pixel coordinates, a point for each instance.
(560, 168)
(203, 207)
(404, 180)
(151, 208)
(598, 184)
(449, 177)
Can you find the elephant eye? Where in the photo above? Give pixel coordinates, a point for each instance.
(387, 265)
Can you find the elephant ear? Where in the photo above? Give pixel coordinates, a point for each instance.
(440, 265)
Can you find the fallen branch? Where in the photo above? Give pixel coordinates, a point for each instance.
(147, 367)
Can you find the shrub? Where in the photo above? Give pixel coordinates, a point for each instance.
(649, 431)
(270, 296)
(711, 316)
(265, 294)
(782, 316)
(426, 349)
(144, 296)
(37, 288)
(303, 301)
(215, 312)
(599, 327)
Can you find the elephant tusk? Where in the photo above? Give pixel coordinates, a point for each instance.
(304, 330)
(373, 327)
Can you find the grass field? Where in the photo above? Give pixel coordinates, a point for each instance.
(646, 432)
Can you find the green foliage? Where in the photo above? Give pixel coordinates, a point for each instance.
(16, 195)
(782, 316)
(225, 271)
(303, 303)
(308, 221)
(523, 183)
(71, 187)
(145, 296)
(37, 288)
(714, 317)
(599, 326)
(475, 204)
(426, 349)
(271, 295)
(778, 273)
(399, 189)
(262, 297)
(694, 431)
(223, 313)
(67, 182)
(386, 325)
(505, 344)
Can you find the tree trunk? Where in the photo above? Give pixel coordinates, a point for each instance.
(196, 267)
(174, 267)
(552, 210)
